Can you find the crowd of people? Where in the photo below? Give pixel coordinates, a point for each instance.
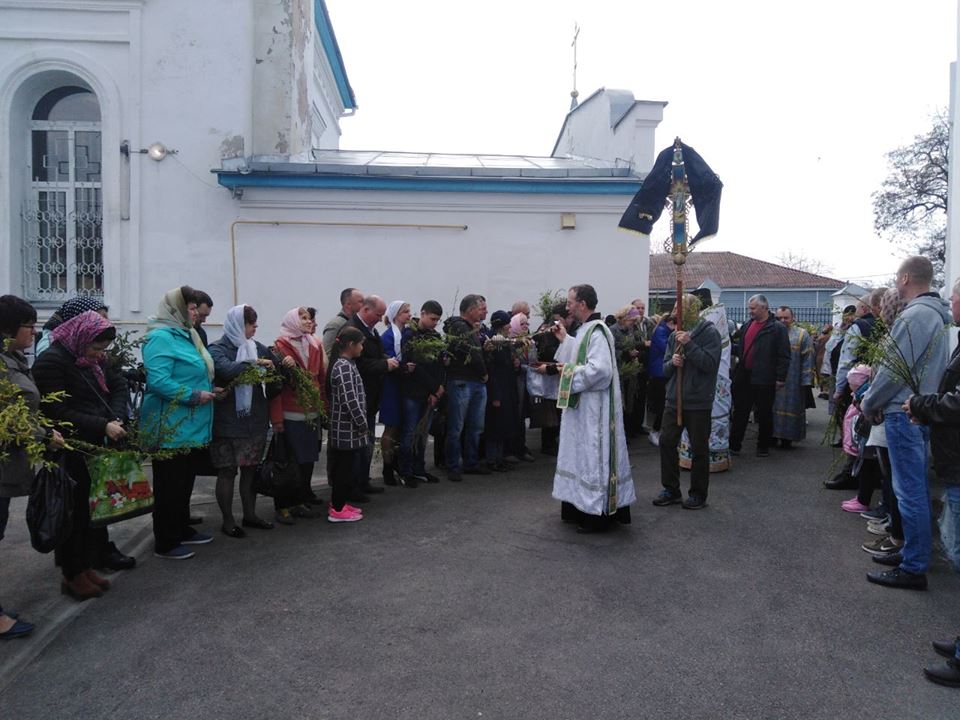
(589, 385)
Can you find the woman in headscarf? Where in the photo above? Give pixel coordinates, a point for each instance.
(391, 403)
(18, 322)
(95, 407)
(69, 310)
(240, 418)
(176, 415)
(517, 449)
(628, 366)
(298, 348)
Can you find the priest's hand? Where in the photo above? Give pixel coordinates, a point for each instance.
(677, 360)
(559, 331)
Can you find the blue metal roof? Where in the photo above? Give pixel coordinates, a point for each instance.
(329, 41)
(443, 172)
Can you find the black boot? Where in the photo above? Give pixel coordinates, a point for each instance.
(389, 475)
(110, 558)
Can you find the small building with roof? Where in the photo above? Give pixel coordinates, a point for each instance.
(734, 278)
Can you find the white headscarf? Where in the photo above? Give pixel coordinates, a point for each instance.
(234, 329)
(392, 311)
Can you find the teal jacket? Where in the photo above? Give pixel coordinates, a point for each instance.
(176, 374)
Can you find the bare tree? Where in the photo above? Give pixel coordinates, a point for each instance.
(801, 261)
(911, 206)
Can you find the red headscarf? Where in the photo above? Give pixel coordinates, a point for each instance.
(77, 334)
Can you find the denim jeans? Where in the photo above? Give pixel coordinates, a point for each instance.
(412, 456)
(950, 524)
(466, 405)
(907, 447)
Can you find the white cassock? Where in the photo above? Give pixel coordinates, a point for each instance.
(583, 463)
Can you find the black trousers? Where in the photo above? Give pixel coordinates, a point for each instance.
(889, 497)
(640, 404)
(697, 423)
(746, 399)
(172, 485)
(78, 550)
(656, 396)
(342, 468)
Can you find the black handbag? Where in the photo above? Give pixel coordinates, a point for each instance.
(50, 507)
(279, 473)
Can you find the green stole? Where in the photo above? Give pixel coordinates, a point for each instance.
(567, 399)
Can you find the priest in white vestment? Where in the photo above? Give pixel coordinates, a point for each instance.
(593, 478)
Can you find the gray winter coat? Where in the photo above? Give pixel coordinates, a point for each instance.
(701, 362)
(920, 334)
(16, 474)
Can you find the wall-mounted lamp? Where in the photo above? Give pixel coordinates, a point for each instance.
(568, 221)
(157, 151)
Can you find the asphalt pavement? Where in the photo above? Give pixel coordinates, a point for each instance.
(473, 600)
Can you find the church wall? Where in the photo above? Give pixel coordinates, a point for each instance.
(179, 72)
(512, 248)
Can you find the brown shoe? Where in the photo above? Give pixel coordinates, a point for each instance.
(80, 588)
(100, 582)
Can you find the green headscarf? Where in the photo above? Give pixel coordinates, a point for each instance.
(172, 312)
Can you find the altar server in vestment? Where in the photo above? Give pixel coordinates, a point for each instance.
(592, 479)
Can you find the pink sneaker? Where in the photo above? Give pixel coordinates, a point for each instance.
(343, 515)
(853, 506)
(351, 508)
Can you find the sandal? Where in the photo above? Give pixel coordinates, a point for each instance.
(234, 532)
(257, 523)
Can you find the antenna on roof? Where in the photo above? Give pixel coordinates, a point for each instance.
(573, 93)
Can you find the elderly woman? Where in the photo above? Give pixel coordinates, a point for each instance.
(69, 310)
(298, 348)
(391, 402)
(176, 415)
(240, 418)
(95, 407)
(17, 327)
(628, 366)
(520, 328)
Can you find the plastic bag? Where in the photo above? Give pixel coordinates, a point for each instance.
(119, 489)
(50, 507)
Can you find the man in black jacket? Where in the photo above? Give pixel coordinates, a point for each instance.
(421, 390)
(763, 352)
(373, 365)
(697, 351)
(941, 411)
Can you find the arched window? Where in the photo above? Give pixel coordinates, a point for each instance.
(64, 215)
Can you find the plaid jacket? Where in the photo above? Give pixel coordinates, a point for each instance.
(348, 407)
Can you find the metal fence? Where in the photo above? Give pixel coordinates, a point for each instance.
(814, 315)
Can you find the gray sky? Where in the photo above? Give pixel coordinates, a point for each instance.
(793, 104)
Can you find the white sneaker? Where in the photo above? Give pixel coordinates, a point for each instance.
(654, 438)
(878, 528)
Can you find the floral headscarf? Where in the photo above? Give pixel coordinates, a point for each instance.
(77, 334)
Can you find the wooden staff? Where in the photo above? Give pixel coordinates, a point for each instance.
(679, 194)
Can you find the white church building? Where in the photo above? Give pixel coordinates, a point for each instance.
(146, 144)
